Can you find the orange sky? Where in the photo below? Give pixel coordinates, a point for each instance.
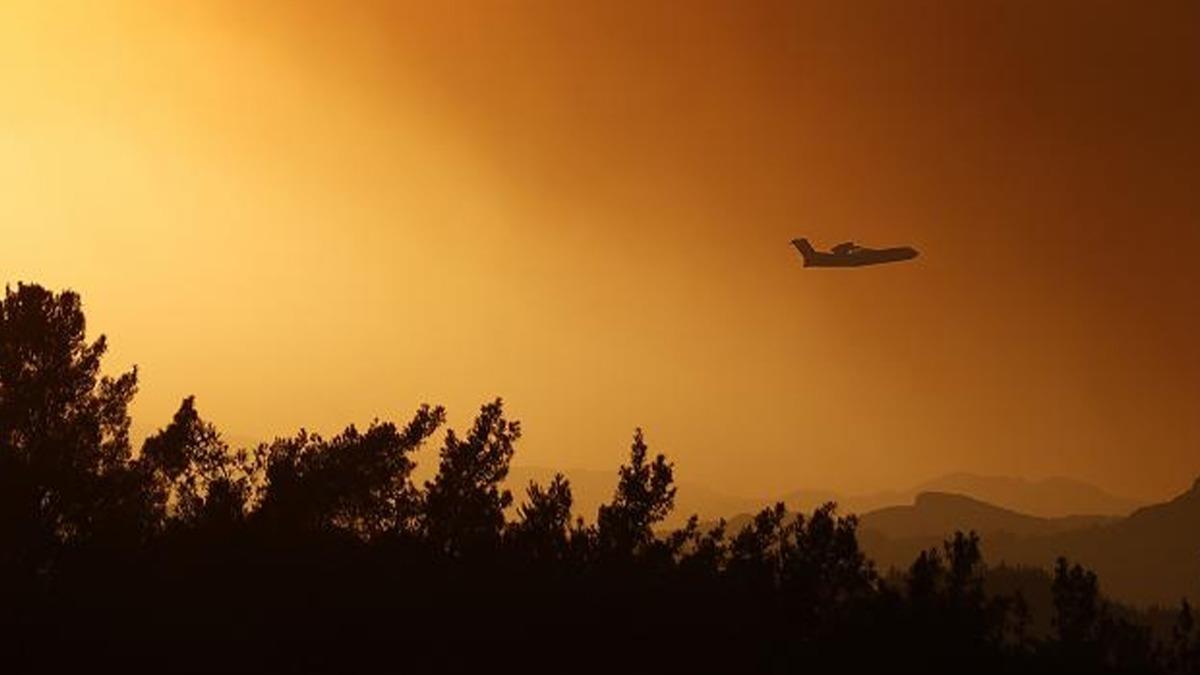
(309, 215)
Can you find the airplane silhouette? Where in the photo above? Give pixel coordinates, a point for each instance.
(849, 254)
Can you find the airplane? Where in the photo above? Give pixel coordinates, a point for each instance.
(849, 254)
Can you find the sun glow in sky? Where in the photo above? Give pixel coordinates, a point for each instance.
(309, 214)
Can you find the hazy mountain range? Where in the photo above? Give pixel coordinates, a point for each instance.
(1147, 555)
(1050, 497)
(1151, 556)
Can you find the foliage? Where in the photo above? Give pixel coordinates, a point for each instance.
(64, 428)
(465, 503)
(315, 554)
(645, 496)
(358, 482)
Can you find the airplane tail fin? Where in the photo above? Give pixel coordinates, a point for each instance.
(806, 249)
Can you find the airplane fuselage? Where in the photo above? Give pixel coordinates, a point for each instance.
(860, 257)
(852, 256)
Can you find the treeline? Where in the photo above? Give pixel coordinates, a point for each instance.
(314, 554)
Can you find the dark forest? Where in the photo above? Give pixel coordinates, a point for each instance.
(315, 554)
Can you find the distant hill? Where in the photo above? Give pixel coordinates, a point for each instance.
(1153, 555)
(1149, 557)
(1050, 497)
(809, 499)
(933, 514)
(893, 536)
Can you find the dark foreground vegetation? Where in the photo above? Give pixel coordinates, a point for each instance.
(313, 554)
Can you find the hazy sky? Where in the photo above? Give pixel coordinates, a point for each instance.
(309, 214)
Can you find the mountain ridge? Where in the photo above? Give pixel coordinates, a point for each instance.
(592, 487)
(1053, 496)
(1150, 557)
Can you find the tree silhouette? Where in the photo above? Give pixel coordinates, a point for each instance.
(356, 482)
(704, 554)
(196, 477)
(823, 569)
(542, 531)
(644, 496)
(756, 553)
(925, 578)
(1184, 650)
(464, 504)
(947, 601)
(1078, 610)
(1088, 633)
(64, 428)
